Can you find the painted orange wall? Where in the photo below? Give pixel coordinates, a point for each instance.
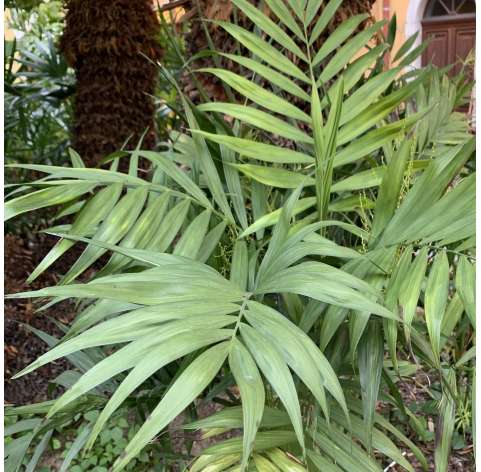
(400, 8)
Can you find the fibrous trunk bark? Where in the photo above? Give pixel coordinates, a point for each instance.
(111, 45)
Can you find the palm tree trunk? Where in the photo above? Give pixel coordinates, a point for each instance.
(109, 44)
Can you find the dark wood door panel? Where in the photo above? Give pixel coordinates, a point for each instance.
(451, 42)
(438, 50)
(465, 41)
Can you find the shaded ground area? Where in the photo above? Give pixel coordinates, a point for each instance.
(20, 345)
(413, 392)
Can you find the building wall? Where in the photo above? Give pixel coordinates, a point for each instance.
(386, 9)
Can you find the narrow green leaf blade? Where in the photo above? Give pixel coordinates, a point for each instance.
(277, 373)
(193, 380)
(47, 197)
(252, 394)
(435, 300)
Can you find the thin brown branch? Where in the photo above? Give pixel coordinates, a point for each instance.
(171, 5)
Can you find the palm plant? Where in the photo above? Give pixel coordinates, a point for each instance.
(277, 251)
(36, 88)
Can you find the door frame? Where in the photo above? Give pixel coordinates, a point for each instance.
(414, 24)
(414, 18)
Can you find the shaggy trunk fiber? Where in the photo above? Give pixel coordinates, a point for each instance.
(108, 42)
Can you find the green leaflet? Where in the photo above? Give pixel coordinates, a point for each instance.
(259, 95)
(359, 320)
(177, 279)
(411, 56)
(346, 53)
(435, 300)
(232, 417)
(356, 70)
(283, 462)
(370, 362)
(211, 242)
(39, 450)
(399, 275)
(192, 238)
(264, 464)
(207, 165)
(46, 197)
(365, 95)
(442, 217)
(322, 462)
(406, 46)
(465, 286)
(252, 394)
(361, 180)
(311, 10)
(390, 188)
(174, 172)
(134, 325)
(371, 177)
(323, 20)
(171, 225)
(259, 197)
(99, 176)
(75, 448)
(264, 50)
(427, 189)
(325, 161)
(141, 234)
(91, 214)
(343, 451)
(258, 119)
(284, 15)
(338, 37)
(215, 463)
(411, 289)
(274, 77)
(371, 141)
(326, 284)
(240, 264)
(445, 425)
(233, 182)
(298, 348)
(265, 440)
(274, 368)
(269, 27)
(375, 114)
(75, 158)
(113, 228)
(274, 176)
(279, 237)
(184, 390)
(380, 441)
(258, 150)
(320, 151)
(453, 314)
(295, 354)
(157, 357)
(273, 217)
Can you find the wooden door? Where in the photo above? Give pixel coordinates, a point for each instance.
(451, 41)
